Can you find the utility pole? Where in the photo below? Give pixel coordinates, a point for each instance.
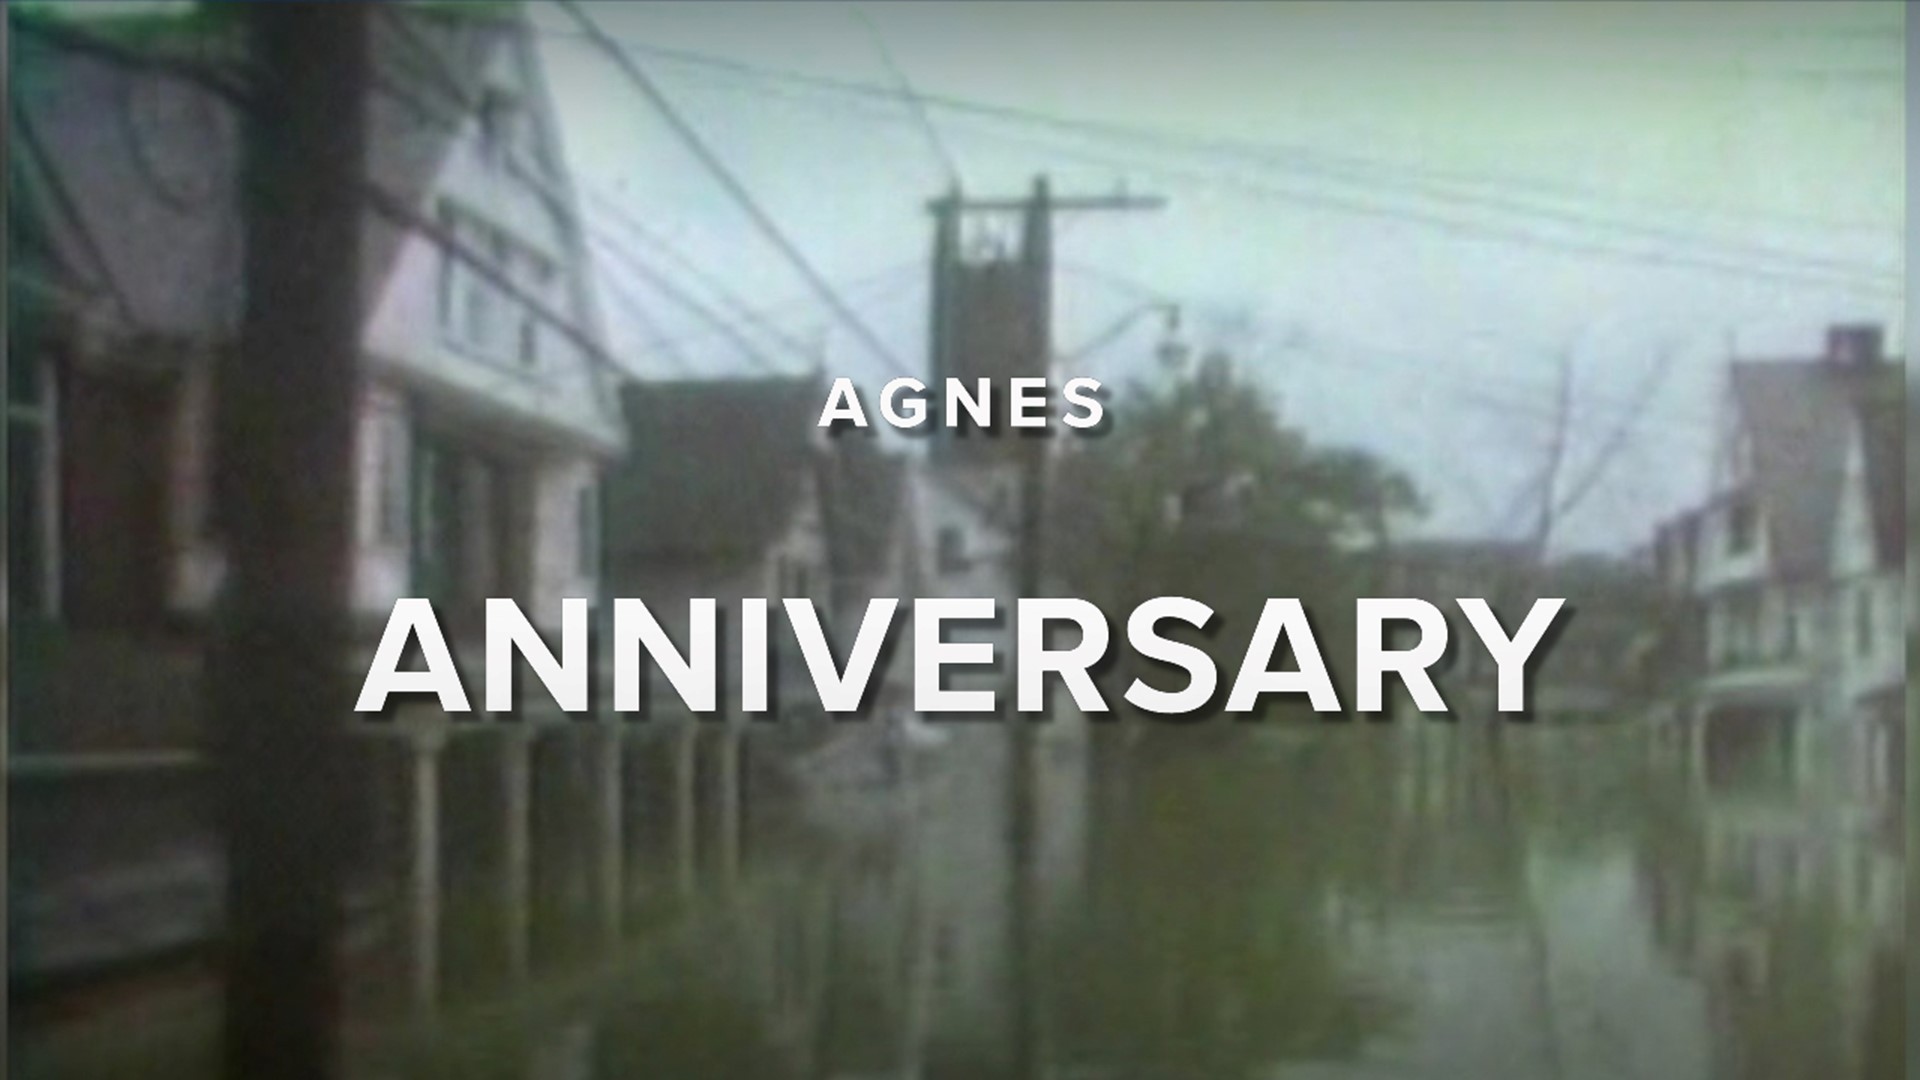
(278, 692)
(1031, 355)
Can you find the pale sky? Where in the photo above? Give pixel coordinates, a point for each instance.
(1388, 211)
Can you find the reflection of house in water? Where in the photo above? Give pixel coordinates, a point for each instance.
(1795, 930)
(1797, 566)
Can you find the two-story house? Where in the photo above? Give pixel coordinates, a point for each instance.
(486, 416)
(1792, 560)
(722, 496)
(487, 410)
(873, 546)
(1870, 587)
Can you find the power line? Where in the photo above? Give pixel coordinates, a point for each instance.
(676, 359)
(374, 197)
(1520, 396)
(1874, 282)
(693, 270)
(642, 82)
(68, 207)
(671, 291)
(1871, 280)
(1269, 154)
(767, 312)
(915, 105)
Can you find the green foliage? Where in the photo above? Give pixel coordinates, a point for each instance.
(1198, 489)
(134, 24)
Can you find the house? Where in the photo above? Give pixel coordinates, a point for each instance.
(1796, 563)
(872, 544)
(722, 495)
(486, 416)
(486, 413)
(1870, 594)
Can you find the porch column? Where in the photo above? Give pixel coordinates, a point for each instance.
(1698, 722)
(730, 809)
(516, 781)
(685, 807)
(632, 835)
(426, 740)
(612, 793)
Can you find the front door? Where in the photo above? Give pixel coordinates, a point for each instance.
(468, 530)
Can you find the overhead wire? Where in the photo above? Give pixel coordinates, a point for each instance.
(738, 307)
(699, 147)
(1241, 150)
(917, 107)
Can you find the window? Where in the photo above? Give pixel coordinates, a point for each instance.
(529, 339)
(500, 121)
(950, 551)
(480, 316)
(1863, 622)
(541, 282)
(587, 531)
(1790, 636)
(1742, 525)
(450, 267)
(394, 479)
(467, 298)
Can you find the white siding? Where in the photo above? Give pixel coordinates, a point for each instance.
(564, 391)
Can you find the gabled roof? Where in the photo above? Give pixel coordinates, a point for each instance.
(866, 494)
(715, 469)
(147, 155)
(1797, 417)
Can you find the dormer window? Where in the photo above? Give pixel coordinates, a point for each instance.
(479, 315)
(500, 123)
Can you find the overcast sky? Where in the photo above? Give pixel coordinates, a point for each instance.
(1399, 216)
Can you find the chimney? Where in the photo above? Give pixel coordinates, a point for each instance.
(1854, 344)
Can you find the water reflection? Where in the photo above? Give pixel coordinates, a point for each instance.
(1416, 900)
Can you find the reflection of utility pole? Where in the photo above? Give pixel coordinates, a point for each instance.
(279, 696)
(970, 306)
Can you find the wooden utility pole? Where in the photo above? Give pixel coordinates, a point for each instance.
(279, 693)
(1030, 457)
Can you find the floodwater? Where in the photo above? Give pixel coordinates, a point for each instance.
(1349, 900)
(1408, 900)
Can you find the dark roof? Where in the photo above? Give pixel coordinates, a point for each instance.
(714, 469)
(865, 494)
(1798, 416)
(140, 163)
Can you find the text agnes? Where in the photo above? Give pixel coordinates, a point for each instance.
(1025, 403)
(695, 673)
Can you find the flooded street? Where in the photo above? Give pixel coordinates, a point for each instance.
(1405, 900)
